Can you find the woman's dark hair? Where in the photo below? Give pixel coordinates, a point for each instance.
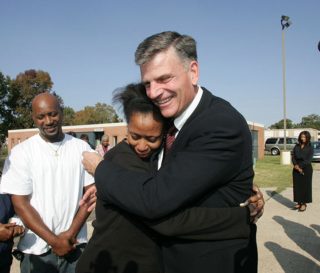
(84, 137)
(72, 134)
(307, 135)
(133, 99)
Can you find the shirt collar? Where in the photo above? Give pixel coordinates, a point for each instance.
(181, 120)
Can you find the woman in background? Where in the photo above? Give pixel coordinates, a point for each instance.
(104, 146)
(302, 171)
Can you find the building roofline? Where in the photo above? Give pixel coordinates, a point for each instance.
(255, 124)
(100, 126)
(72, 127)
(304, 129)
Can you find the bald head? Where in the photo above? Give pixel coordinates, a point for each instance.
(45, 98)
(47, 116)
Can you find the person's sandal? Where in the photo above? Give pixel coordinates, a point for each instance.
(297, 206)
(303, 207)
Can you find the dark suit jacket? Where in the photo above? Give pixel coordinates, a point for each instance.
(126, 243)
(210, 165)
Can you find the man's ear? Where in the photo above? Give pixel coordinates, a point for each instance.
(194, 72)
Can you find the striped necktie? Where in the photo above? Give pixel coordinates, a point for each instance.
(170, 138)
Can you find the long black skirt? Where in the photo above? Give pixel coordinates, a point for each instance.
(302, 185)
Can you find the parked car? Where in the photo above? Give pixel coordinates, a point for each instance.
(316, 151)
(276, 144)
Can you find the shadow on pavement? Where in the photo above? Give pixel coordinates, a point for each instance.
(290, 261)
(316, 227)
(279, 198)
(296, 232)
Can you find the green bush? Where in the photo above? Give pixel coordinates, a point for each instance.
(3, 155)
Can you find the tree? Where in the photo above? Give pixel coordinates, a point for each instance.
(16, 97)
(4, 110)
(310, 121)
(100, 113)
(23, 89)
(68, 115)
(280, 124)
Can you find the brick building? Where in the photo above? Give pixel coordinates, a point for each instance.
(115, 131)
(118, 131)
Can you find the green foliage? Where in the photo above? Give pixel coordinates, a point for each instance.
(280, 124)
(68, 116)
(16, 98)
(3, 155)
(310, 121)
(23, 89)
(100, 113)
(2, 159)
(4, 110)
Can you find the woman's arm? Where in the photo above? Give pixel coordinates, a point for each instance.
(307, 155)
(202, 223)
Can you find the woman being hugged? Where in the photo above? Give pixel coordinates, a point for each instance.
(302, 171)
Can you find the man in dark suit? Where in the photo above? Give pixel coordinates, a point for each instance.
(209, 164)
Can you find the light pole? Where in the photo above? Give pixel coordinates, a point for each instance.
(285, 23)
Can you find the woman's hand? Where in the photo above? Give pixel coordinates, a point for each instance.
(89, 199)
(90, 161)
(298, 169)
(255, 204)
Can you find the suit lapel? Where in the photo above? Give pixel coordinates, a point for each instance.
(204, 103)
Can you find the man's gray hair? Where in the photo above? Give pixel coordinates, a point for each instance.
(184, 45)
(105, 137)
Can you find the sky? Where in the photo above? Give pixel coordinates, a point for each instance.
(88, 48)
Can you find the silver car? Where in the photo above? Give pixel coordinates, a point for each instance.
(276, 144)
(316, 151)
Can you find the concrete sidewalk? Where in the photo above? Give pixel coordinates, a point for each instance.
(288, 240)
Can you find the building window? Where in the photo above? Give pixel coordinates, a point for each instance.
(115, 140)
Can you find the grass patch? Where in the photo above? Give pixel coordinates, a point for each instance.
(270, 173)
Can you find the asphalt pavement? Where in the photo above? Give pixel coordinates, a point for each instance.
(288, 240)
